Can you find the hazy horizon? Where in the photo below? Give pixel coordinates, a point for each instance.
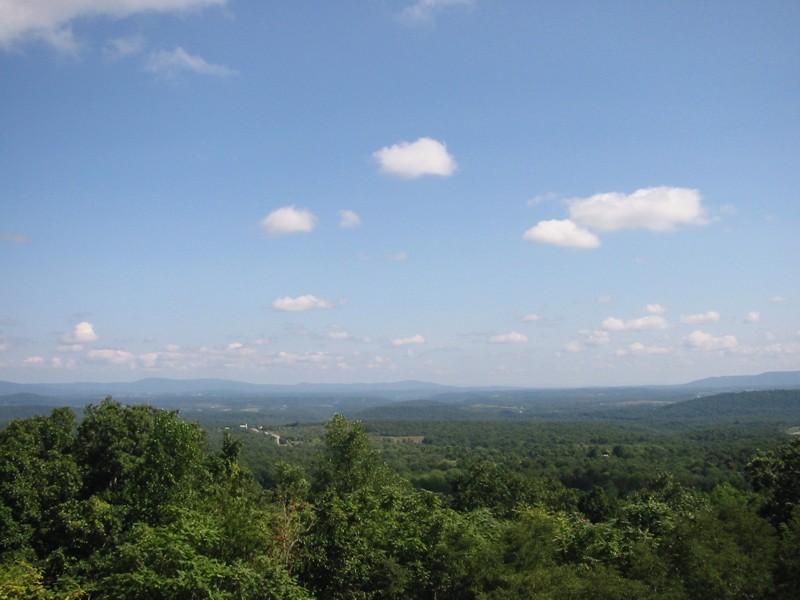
(460, 192)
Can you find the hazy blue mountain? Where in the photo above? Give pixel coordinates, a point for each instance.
(154, 386)
(769, 380)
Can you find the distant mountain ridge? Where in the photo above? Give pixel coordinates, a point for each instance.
(165, 386)
(156, 386)
(768, 380)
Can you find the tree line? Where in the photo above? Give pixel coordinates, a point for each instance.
(131, 503)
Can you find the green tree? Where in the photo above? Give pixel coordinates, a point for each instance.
(38, 474)
(778, 477)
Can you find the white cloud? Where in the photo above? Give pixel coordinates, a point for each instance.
(399, 257)
(125, 46)
(289, 358)
(424, 10)
(561, 233)
(656, 209)
(706, 341)
(596, 337)
(70, 347)
(639, 348)
(410, 160)
(513, 337)
(531, 317)
(706, 317)
(50, 20)
(409, 341)
(288, 219)
(111, 356)
(338, 335)
(171, 64)
(650, 322)
(752, 317)
(655, 309)
(348, 219)
(300, 303)
(82, 334)
(778, 299)
(58, 363)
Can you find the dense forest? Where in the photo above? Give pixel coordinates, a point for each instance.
(132, 501)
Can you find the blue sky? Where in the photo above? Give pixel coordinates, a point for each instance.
(469, 192)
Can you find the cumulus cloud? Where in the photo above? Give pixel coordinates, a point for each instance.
(409, 341)
(650, 322)
(82, 334)
(348, 219)
(33, 361)
(709, 316)
(288, 219)
(410, 160)
(424, 10)
(51, 20)
(300, 303)
(170, 64)
(654, 209)
(655, 309)
(563, 233)
(707, 341)
(531, 317)
(513, 337)
(752, 317)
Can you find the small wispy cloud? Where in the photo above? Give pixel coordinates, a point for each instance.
(170, 64)
(409, 341)
(425, 10)
(288, 219)
(513, 337)
(650, 322)
(113, 356)
(349, 219)
(118, 48)
(410, 160)
(301, 303)
(709, 316)
(531, 317)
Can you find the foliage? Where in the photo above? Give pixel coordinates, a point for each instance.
(132, 503)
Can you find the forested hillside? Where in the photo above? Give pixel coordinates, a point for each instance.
(135, 502)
